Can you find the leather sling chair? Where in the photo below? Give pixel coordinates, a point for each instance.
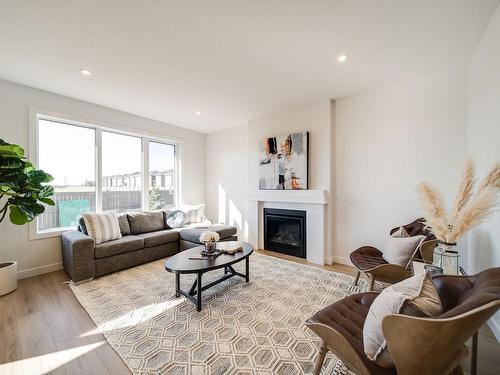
(369, 260)
(431, 346)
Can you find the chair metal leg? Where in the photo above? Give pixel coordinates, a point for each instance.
(371, 281)
(356, 279)
(321, 358)
(473, 354)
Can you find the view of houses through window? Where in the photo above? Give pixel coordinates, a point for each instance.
(121, 172)
(161, 175)
(67, 152)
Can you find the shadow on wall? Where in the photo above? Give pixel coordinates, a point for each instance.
(228, 213)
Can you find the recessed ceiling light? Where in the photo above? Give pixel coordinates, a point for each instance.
(85, 72)
(197, 113)
(343, 57)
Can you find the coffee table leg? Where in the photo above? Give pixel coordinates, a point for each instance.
(177, 284)
(247, 269)
(198, 293)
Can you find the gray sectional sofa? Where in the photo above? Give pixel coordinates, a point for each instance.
(145, 237)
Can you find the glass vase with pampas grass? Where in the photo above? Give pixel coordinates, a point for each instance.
(471, 207)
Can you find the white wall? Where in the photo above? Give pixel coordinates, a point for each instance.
(387, 141)
(369, 151)
(15, 100)
(483, 141)
(227, 178)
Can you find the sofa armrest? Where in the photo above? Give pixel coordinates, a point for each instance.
(78, 255)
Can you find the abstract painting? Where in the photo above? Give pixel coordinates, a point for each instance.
(283, 162)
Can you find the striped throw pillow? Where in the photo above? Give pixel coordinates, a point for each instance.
(102, 227)
(194, 214)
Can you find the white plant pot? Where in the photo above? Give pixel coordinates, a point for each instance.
(8, 277)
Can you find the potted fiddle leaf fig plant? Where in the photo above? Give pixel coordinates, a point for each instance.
(23, 192)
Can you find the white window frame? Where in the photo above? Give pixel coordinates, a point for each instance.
(37, 114)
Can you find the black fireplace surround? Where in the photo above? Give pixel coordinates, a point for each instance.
(285, 231)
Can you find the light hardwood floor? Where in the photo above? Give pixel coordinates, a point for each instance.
(44, 329)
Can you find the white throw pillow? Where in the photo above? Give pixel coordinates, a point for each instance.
(102, 227)
(400, 250)
(418, 292)
(194, 214)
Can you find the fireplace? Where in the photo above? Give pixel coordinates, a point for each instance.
(285, 231)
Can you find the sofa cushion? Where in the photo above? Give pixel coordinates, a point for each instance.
(124, 224)
(81, 225)
(193, 234)
(144, 222)
(166, 212)
(120, 246)
(160, 237)
(224, 231)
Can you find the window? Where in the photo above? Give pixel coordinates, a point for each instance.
(161, 174)
(121, 160)
(111, 179)
(67, 153)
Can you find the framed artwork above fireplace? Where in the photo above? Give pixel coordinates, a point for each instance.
(284, 162)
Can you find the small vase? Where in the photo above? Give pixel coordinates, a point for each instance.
(210, 247)
(446, 256)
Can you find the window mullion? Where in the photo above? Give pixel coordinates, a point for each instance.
(145, 173)
(177, 176)
(98, 169)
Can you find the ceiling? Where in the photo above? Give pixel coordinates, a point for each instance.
(230, 60)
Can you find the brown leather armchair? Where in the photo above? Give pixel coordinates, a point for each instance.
(431, 346)
(369, 260)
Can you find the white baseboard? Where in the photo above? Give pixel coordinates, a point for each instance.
(494, 325)
(39, 270)
(328, 260)
(335, 259)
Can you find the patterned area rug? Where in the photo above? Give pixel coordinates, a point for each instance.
(254, 328)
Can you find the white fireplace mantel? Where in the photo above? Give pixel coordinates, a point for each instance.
(290, 196)
(312, 201)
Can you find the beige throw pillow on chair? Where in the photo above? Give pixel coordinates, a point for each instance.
(400, 233)
(400, 250)
(417, 292)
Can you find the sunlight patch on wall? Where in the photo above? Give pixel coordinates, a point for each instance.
(245, 230)
(235, 217)
(221, 193)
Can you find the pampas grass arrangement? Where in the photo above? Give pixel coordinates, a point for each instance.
(469, 208)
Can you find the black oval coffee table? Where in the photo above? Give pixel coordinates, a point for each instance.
(181, 264)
